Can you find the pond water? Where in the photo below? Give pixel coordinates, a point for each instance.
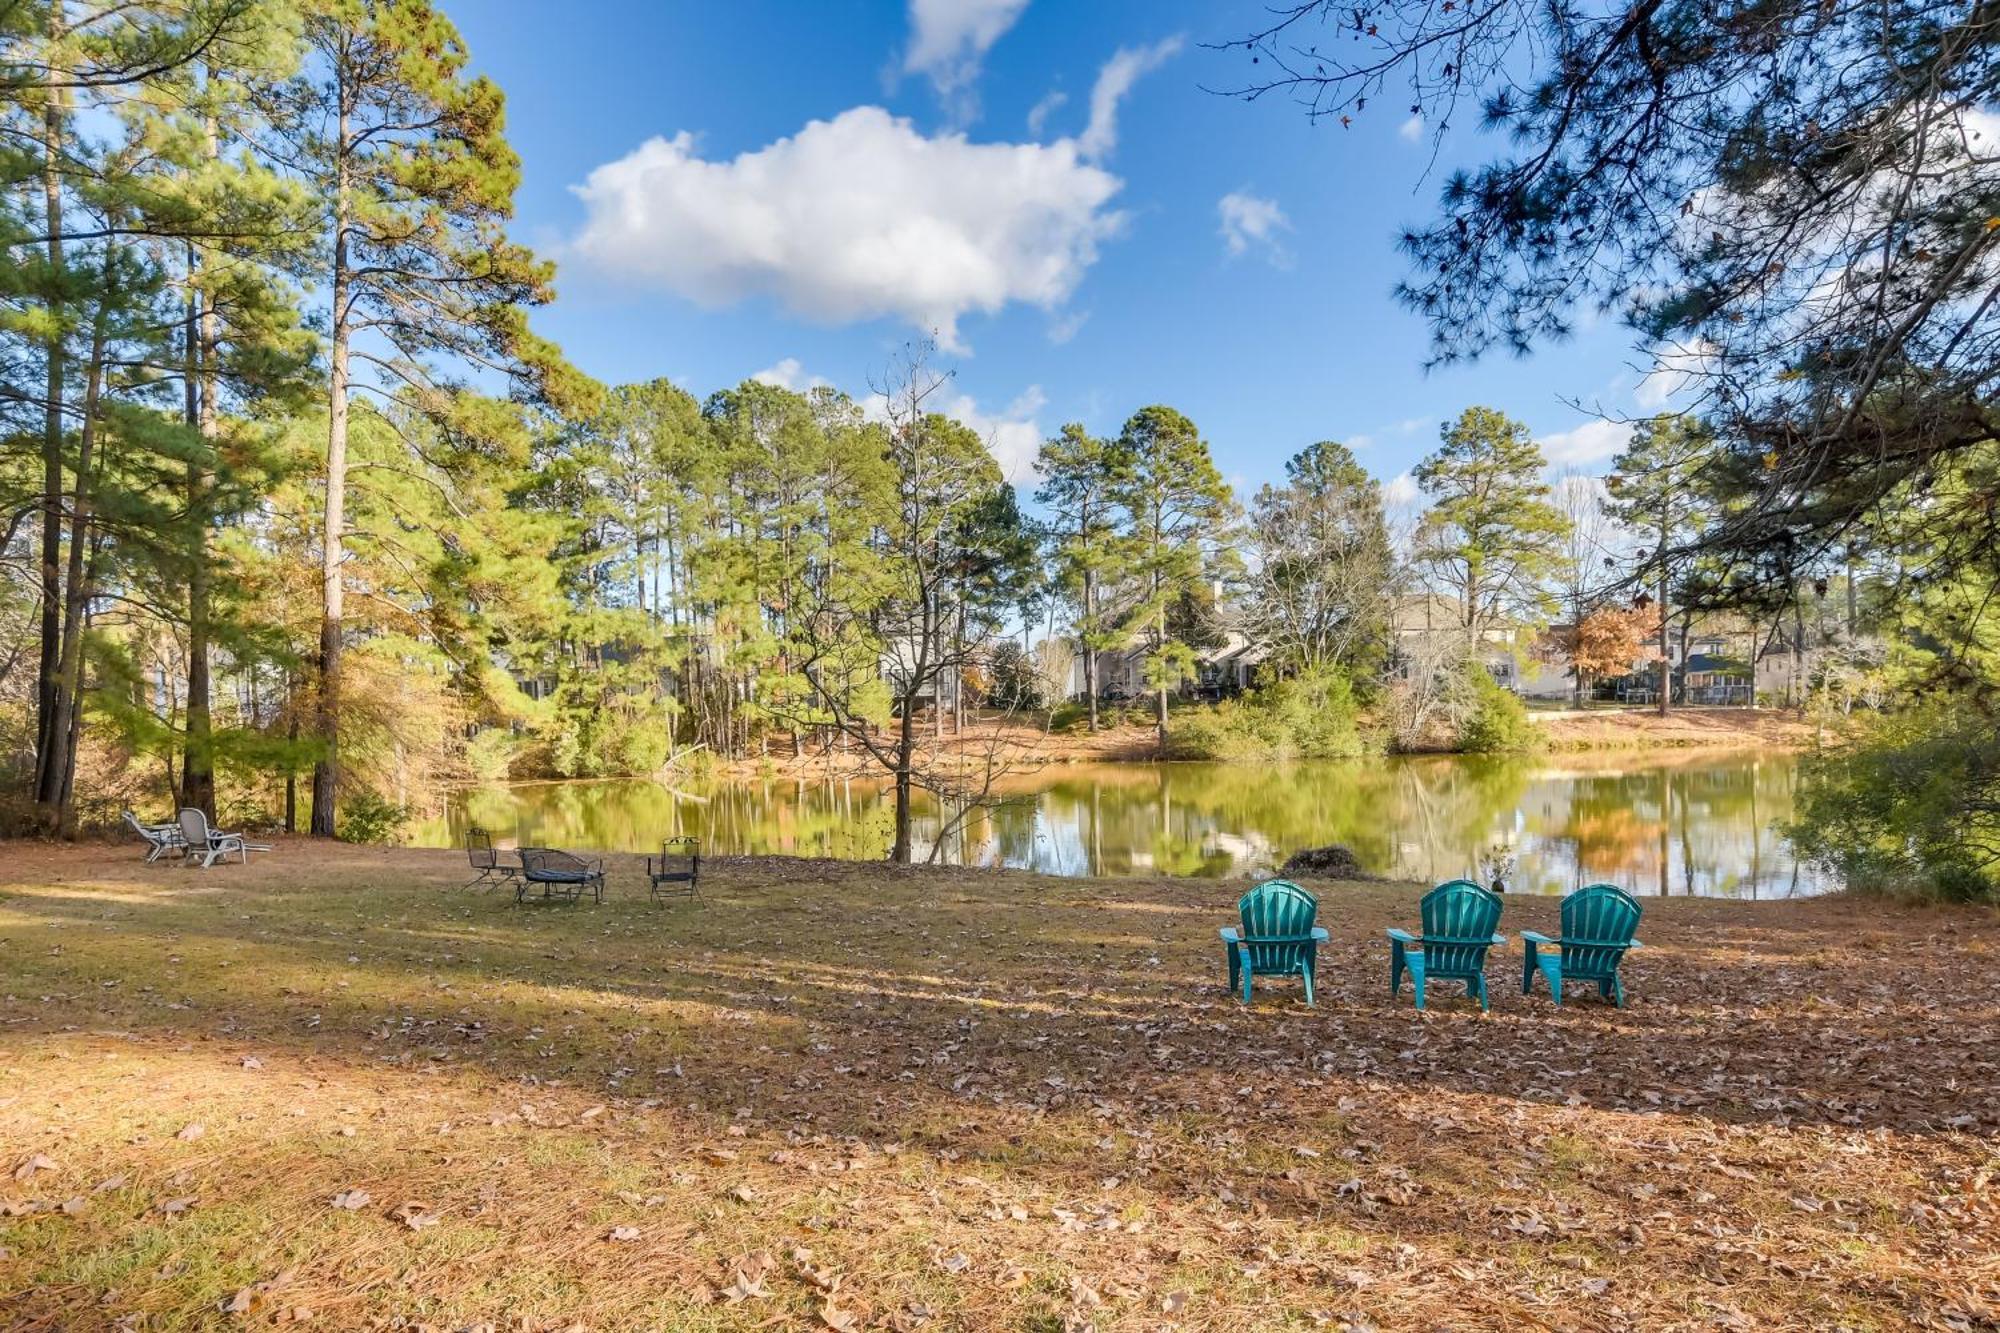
(1703, 825)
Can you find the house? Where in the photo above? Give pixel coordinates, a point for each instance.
(1227, 668)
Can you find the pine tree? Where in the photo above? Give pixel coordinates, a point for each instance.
(1178, 512)
(417, 182)
(1491, 536)
(1656, 490)
(1077, 477)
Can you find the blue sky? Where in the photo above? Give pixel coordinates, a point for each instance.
(795, 189)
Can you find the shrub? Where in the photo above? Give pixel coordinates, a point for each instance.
(1910, 806)
(1071, 715)
(367, 817)
(1307, 717)
(489, 755)
(1493, 718)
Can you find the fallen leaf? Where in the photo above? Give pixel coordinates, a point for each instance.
(175, 1207)
(841, 1321)
(30, 1165)
(352, 1199)
(955, 1263)
(1173, 1302)
(744, 1287)
(191, 1131)
(415, 1216)
(624, 1233)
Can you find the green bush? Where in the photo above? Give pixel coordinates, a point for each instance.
(367, 817)
(1908, 805)
(489, 755)
(1496, 721)
(1071, 715)
(1307, 717)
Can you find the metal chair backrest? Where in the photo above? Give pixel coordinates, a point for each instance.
(479, 849)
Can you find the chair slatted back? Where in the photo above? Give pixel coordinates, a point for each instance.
(1459, 919)
(1598, 923)
(1277, 920)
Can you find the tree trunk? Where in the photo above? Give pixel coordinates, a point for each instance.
(46, 735)
(1666, 666)
(60, 814)
(1089, 645)
(198, 766)
(905, 749)
(1160, 647)
(326, 771)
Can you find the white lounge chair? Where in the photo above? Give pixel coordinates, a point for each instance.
(211, 845)
(160, 838)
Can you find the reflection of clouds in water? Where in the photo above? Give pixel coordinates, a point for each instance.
(1703, 827)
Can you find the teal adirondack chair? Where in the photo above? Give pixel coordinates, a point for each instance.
(1459, 918)
(1597, 926)
(1277, 938)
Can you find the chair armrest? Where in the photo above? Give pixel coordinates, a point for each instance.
(1401, 936)
(1635, 945)
(1319, 935)
(1499, 938)
(1228, 934)
(1536, 937)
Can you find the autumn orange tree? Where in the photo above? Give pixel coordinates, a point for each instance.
(1605, 642)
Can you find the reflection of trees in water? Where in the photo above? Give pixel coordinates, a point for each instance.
(1702, 826)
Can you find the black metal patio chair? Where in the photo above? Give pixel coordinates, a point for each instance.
(485, 860)
(560, 874)
(676, 873)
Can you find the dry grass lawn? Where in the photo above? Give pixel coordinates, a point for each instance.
(335, 1089)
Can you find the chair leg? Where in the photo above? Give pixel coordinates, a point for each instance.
(1478, 987)
(1310, 1004)
(1552, 968)
(1617, 991)
(1235, 976)
(1415, 963)
(1397, 960)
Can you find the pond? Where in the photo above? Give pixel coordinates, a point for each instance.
(1673, 824)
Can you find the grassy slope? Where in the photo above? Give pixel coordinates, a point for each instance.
(995, 1101)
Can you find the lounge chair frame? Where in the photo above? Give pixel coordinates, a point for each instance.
(209, 845)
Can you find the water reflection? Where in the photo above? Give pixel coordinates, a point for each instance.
(1701, 826)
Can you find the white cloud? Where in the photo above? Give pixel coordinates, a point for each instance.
(1066, 326)
(855, 218)
(1248, 219)
(1039, 113)
(1592, 442)
(1012, 434)
(1400, 491)
(789, 374)
(1120, 72)
(1411, 129)
(950, 38)
(1675, 370)
(1363, 441)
